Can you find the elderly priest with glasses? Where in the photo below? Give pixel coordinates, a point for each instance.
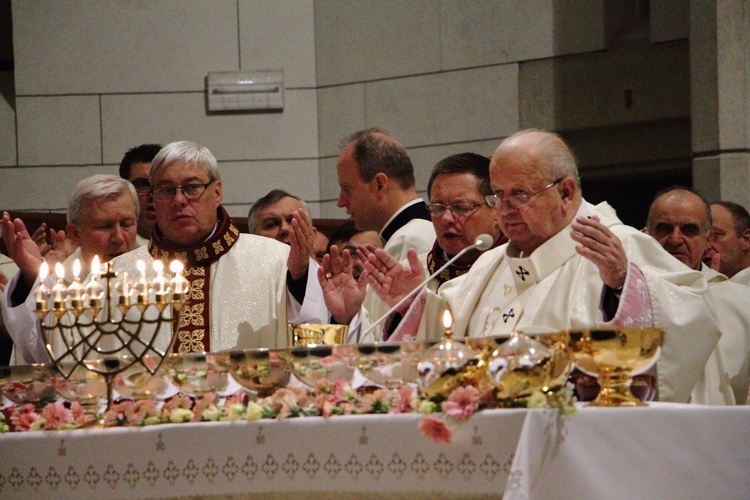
(242, 288)
(569, 264)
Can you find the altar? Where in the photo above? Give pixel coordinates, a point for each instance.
(662, 451)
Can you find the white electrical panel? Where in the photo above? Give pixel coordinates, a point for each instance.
(246, 90)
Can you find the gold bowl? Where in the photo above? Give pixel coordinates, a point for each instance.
(198, 373)
(259, 370)
(315, 333)
(28, 384)
(314, 363)
(614, 356)
(142, 382)
(390, 364)
(82, 385)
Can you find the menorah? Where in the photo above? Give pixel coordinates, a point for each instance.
(111, 327)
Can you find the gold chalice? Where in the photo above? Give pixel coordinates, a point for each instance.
(614, 356)
(315, 333)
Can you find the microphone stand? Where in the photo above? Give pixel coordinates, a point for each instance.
(480, 243)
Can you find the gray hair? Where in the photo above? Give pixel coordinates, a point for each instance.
(187, 152)
(558, 158)
(97, 186)
(684, 189)
(269, 199)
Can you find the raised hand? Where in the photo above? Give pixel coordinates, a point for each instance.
(21, 248)
(61, 248)
(301, 239)
(602, 247)
(389, 279)
(40, 238)
(342, 293)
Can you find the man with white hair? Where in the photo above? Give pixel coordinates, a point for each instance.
(102, 220)
(568, 265)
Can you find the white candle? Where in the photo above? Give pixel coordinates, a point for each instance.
(141, 287)
(178, 282)
(58, 291)
(41, 291)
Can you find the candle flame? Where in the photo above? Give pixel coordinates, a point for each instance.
(447, 319)
(141, 266)
(176, 266)
(43, 271)
(95, 265)
(59, 270)
(77, 268)
(158, 266)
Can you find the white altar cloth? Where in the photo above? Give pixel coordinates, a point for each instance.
(663, 451)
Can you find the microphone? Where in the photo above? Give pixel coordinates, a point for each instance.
(482, 243)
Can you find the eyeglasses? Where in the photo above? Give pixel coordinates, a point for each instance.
(516, 201)
(189, 191)
(457, 209)
(142, 185)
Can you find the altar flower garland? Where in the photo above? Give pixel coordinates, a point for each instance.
(327, 399)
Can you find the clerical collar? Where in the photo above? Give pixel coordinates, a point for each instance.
(415, 209)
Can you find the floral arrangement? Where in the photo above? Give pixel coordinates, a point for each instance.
(326, 399)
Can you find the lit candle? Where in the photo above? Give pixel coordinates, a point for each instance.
(41, 291)
(447, 323)
(75, 291)
(59, 290)
(94, 289)
(124, 299)
(160, 283)
(178, 283)
(141, 287)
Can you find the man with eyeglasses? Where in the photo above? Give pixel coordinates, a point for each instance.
(569, 264)
(243, 288)
(134, 167)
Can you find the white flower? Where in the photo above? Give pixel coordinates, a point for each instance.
(180, 415)
(537, 400)
(254, 411)
(211, 413)
(426, 407)
(235, 411)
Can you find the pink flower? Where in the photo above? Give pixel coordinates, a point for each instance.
(407, 398)
(23, 416)
(56, 416)
(139, 410)
(435, 429)
(238, 397)
(462, 403)
(80, 416)
(203, 403)
(179, 400)
(115, 416)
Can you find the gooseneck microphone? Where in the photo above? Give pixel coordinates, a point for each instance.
(482, 243)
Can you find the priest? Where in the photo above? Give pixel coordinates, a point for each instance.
(569, 264)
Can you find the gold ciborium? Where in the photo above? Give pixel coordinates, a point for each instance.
(614, 356)
(315, 333)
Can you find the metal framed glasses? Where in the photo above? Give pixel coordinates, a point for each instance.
(457, 209)
(189, 191)
(516, 201)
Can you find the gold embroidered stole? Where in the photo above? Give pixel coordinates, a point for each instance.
(194, 327)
